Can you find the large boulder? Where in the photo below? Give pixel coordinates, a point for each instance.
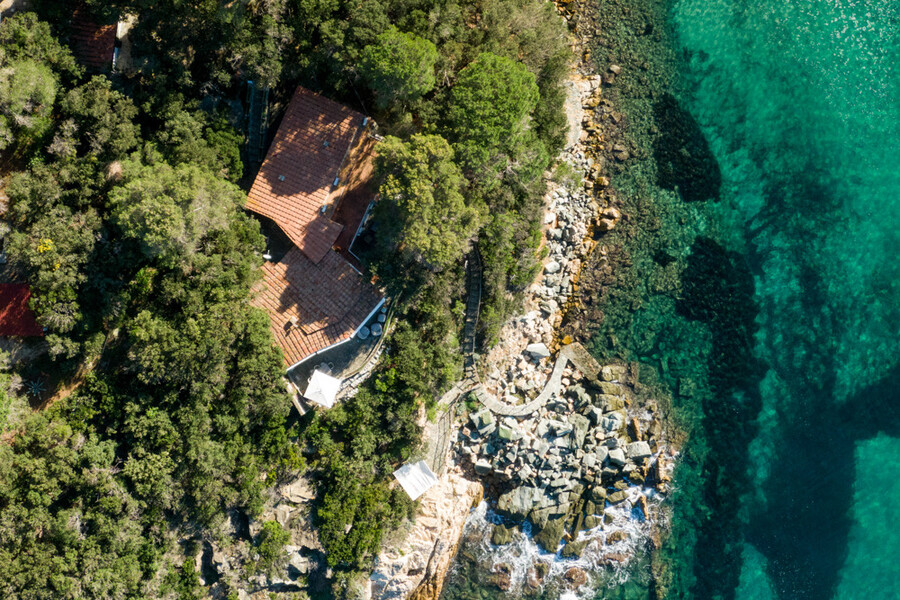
(610, 403)
(538, 350)
(574, 549)
(593, 413)
(519, 502)
(616, 457)
(502, 535)
(483, 467)
(617, 497)
(613, 389)
(638, 451)
(612, 373)
(580, 425)
(551, 533)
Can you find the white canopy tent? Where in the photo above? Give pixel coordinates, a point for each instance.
(415, 479)
(322, 389)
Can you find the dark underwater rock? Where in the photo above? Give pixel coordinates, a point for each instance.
(683, 158)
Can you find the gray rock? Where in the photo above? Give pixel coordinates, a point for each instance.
(612, 422)
(502, 535)
(617, 457)
(521, 500)
(613, 389)
(594, 414)
(639, 450)
(574, 549)
(483, 467)
(550, 534)
(538, 350)
(589, 461)
(482, 419)
(580, 426)
(552, 267)
(617, 497)
(612, 373)
(560, 427)
(541, 447)
(610, 403)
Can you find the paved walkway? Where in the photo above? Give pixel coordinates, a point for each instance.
(574, 353)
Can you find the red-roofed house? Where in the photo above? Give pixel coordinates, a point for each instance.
(93, 45)
(310, 185)
(16, 319)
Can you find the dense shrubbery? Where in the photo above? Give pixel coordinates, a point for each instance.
(127, 223)
(140, 264)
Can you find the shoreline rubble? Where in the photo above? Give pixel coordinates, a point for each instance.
(575, 470)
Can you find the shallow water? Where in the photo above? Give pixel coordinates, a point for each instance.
(800, 104)
(791, 476)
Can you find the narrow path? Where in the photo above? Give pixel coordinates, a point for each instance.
(473, 307)
(574, 353)
(438, 454)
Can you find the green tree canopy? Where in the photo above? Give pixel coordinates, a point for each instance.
(399, 66)
(169, 210)
(190, 135)
(27, 92)
(422, 203)
(489, 109)
(23, 36)
(99, 122)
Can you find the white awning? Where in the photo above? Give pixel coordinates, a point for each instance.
(322, 389)
(416, 479)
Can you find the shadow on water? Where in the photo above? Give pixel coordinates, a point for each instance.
(805, 533)
(718, 290)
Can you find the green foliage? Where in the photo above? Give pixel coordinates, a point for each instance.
(99, 123)
(66, 523)
(53, 245)
(190, 136)
(184, 582)
(359, 442)
(423, 207)
(24, 36)
(170, 210)
(489, 109)
(141, 261)
(27, 92)
(399, 67)
(270, 544)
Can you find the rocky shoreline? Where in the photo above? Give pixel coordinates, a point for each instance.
(585, 471)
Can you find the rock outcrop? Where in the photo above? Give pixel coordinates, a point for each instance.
(415, 568)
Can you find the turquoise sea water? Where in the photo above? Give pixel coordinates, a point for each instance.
(800, 103)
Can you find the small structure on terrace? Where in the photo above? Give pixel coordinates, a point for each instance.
(415, 479)
(312, 192)
(322, 389)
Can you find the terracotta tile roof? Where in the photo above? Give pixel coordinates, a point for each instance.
(297, 177)
(328, 300)
(92, 44)
(16, 319)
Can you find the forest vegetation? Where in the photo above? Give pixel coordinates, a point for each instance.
(125, 217)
